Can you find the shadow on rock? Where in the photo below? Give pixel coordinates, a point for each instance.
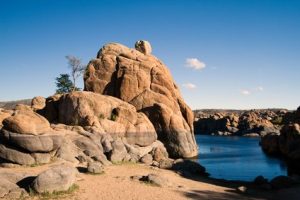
(26, 182)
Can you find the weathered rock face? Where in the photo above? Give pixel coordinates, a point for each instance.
(26, 122)
(38, 103)
(252, 122)
(32, 143)
(50, 111)
(287, 144)
(292, 117)
(270, 144)
(110, 115)
(27, 138)
(289, 140)
(137, 77)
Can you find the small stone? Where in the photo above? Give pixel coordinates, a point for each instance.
(165, 164)
(147, 159)
(143, 46)
(155, 163)
(38, 103)
(95, 168)
(156, 179)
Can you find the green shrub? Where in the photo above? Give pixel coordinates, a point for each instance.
(113, 117)
(101, 116)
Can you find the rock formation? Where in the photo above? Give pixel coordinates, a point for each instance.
(286, 144)
(80, 127)
(132, 111)
(137, 77)
(242, 123)
(27, 139)
(88, 127)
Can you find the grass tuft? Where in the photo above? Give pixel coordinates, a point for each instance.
(55, 194)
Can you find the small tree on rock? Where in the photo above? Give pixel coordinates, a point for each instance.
(64, 84)
(77, 68)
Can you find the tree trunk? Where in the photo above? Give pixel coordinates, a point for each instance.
(74, 82)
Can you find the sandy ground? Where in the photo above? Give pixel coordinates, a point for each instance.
(116, 183)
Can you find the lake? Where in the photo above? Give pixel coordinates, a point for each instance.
(237, 158)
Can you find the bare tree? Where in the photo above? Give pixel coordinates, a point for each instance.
(77, 68)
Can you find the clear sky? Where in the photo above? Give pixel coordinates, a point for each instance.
(222, 54)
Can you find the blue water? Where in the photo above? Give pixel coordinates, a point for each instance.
(237, 158)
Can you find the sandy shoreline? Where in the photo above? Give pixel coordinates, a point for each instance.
(116, 183)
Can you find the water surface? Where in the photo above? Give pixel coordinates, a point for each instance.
(237, 158)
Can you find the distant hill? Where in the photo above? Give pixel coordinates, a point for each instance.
(12, 104)
(211, 111)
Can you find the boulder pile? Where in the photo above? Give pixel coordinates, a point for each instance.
(241, 123)
(131, 111)
(26, 138)
(286, 144)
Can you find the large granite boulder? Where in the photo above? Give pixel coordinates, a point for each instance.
(270, 144)
(15, 156)
(110, 115)
(47, 142)
(26, 122)
(137, 77)
(56, 179)
(287, 144)
(289, 138)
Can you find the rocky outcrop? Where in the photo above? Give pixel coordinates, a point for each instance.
(251, 122)
(217, 124)
(270, 144)
(108, 114)
(241, 123)
(27, 139)
(92, 128)
(286, 144)
(137, 77)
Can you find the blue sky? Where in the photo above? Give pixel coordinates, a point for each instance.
(247, 53)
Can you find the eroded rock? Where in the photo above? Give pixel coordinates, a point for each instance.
(137, 77)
